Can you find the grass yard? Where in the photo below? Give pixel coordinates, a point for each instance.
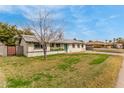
(63, 70)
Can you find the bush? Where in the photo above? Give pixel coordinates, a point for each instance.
(57, 49)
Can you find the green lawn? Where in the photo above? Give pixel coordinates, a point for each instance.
(64, 70)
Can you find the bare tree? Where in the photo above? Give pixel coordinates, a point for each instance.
(45, 29)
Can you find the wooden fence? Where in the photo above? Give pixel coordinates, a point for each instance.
(19, 50)
(11, 50)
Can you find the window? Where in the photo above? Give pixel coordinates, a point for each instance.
(57, 45)
(78, 45)
(37, 46)
(73, 45)
(82, 45)
(52, 45)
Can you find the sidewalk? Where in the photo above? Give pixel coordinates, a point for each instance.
(120, 81)
(119, 54)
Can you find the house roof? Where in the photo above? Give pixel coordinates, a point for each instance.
(98, 43)
(32, 38)
(29, 38)
(95, 42)
(67, 41)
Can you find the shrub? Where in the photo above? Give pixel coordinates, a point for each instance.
(57, 49)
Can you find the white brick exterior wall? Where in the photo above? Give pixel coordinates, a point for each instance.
(33, 54)
(76, 49)
(25, 47)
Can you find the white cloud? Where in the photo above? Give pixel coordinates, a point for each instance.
(28, 11)
(76, 12)
(6, 8)
(113, 16)
(80, 19)
(105, 21)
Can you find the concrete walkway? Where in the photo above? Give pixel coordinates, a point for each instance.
(120, 80)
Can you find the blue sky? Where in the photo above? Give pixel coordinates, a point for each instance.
(81, 22)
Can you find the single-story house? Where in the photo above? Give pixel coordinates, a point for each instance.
(31, 46)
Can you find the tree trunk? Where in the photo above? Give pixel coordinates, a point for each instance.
(45, 52)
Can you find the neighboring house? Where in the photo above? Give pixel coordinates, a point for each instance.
(98, 44)
(95, 44)
(108, 45)
(119, 45)
(31, 46)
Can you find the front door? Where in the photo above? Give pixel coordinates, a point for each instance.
(66, 47)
